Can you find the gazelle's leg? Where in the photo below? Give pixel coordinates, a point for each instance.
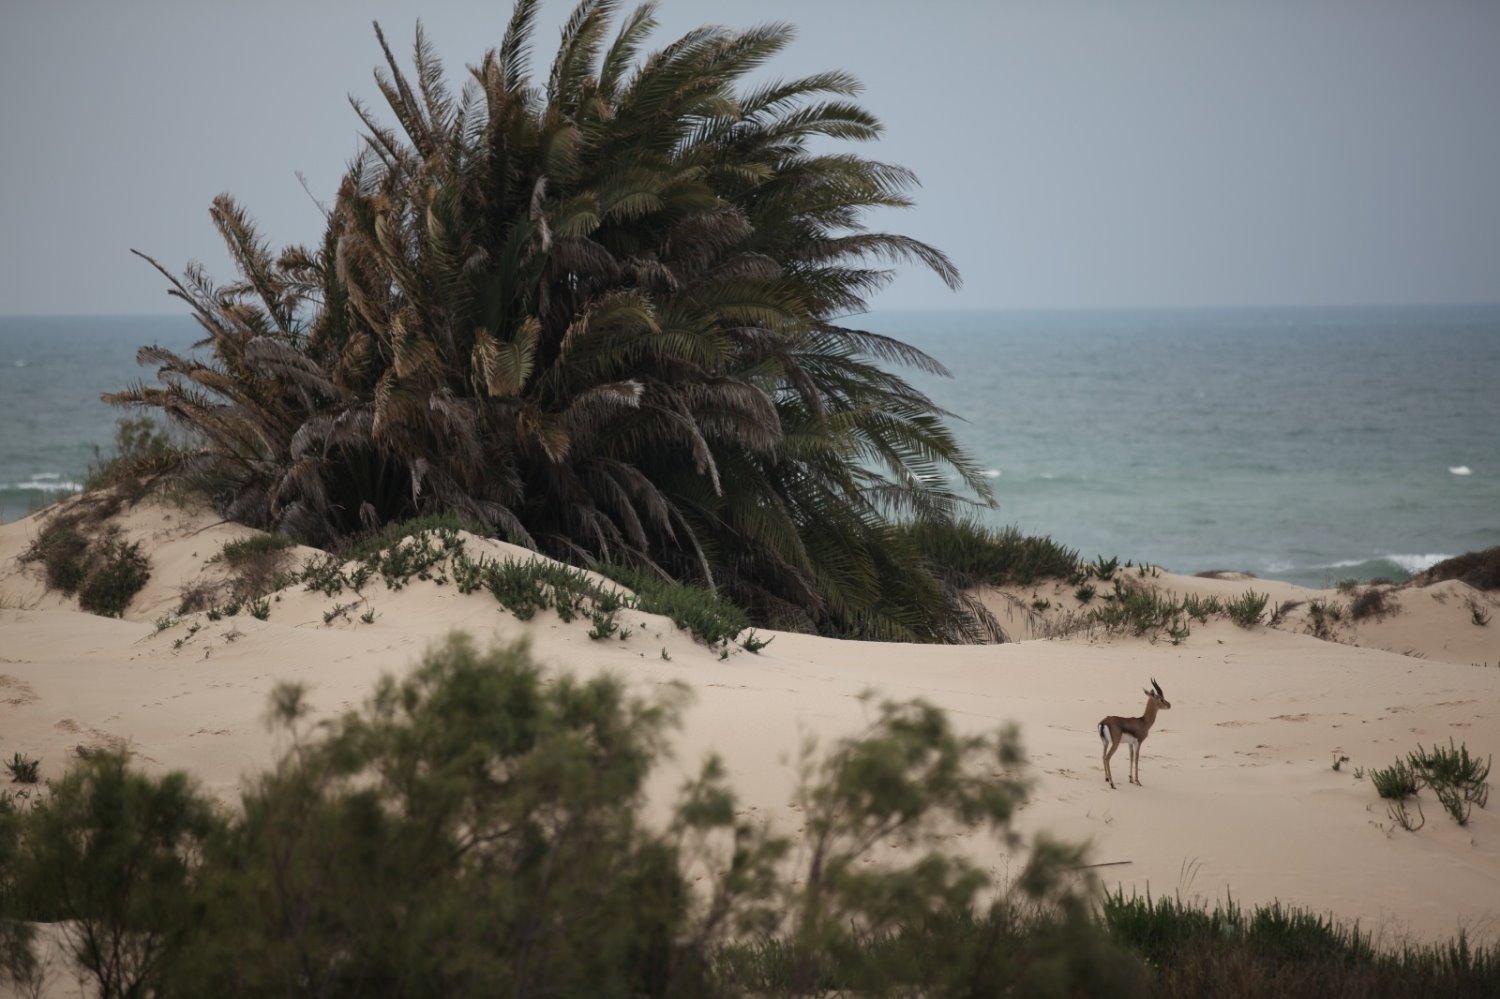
(1138, 765)
(1109, 750)
(1135, 755)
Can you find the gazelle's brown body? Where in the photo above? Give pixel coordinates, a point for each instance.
(1131, 731)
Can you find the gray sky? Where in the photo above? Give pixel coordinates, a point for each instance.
(1072, 154)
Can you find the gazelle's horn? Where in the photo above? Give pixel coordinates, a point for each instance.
(1157, 686)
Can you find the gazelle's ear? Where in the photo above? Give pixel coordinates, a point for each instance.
(1149, 694)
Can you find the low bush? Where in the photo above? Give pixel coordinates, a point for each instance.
(1373, 602)
(117, 572)
(23, 769)
(1452, 768)
(1247, 610)
(499, 814)
(1395, 781)
(971, 554)
(62, 549)
(1480, 570)
(710, 618)
(103, 571)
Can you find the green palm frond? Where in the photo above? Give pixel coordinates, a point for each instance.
(599, 314)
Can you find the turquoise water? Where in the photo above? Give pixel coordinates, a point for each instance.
(1304, 444)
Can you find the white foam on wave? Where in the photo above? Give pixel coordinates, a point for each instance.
(1460, 470)
(1412, 564)
(46, 482)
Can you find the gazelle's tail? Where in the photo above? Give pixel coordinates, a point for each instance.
(1104, 733)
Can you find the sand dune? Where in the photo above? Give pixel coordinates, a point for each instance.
(1240, 795)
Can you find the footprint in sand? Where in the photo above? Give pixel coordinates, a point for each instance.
(16, 692)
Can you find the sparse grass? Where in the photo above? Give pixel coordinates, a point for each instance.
(604, 626)
(710, 618)
(753, 644)
(243, 551)
(1322, 617)
(260, 609)
(1376, 602)
(257, 563)
(1142, 611)
(337, 611)
(199, 595)
(1282, 950)
(1085, 593)
(23, 769)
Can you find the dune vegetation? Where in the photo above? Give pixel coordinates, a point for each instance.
(601, 307)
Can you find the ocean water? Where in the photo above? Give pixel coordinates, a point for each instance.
(52, 371)
(1311, 445)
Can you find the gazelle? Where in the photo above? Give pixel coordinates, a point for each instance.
(1132, 731)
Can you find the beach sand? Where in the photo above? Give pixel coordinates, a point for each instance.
(1240, 793)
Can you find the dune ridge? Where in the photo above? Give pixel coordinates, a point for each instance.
(1241, 796)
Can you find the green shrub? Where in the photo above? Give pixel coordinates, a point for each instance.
(110, 852)
(1141, 611)
(117, 572)
(1202, 608)
(971, 553)
(1247, 610)
(1396, 781)
(1452, 768)
(62, 548)
(477, 829)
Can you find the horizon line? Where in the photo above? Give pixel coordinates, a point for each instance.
(1177, 307)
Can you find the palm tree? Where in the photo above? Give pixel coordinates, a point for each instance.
(600, 314)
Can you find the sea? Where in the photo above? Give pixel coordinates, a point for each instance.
(1311, 445)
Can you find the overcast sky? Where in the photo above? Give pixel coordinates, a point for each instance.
(1072, 154)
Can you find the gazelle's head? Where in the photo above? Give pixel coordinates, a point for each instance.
(1157, 697)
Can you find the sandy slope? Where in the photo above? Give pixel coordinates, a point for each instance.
(1240, 795)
